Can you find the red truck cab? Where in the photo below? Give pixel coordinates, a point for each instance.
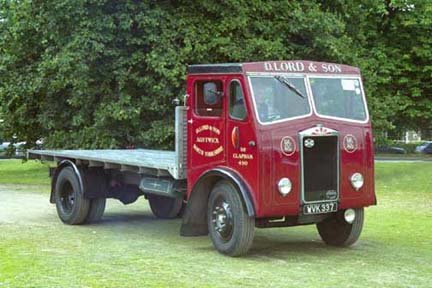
(278, 143)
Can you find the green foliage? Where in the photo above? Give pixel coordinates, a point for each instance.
(393, 49)
(102, 73)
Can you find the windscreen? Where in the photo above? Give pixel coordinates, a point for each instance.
(279, 99)
(338, 97)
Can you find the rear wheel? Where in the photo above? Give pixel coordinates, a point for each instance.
(165, 207)
(230, 227)
(96, 210)
(72, 206)
(336, 231)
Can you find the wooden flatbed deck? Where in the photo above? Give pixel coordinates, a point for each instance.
(143, 161)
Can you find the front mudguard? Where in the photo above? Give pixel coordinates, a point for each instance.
(195, 214)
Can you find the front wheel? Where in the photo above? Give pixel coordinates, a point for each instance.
(336, 231)
(230, 227)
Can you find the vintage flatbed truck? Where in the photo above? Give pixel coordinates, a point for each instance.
(263, 144)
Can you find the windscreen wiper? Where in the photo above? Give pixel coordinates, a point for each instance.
(288, 84)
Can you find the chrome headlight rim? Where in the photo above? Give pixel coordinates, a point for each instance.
(284, 186)
(357, 181)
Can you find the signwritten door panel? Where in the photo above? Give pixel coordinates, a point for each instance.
(207, 135)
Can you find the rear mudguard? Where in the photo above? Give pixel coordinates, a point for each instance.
(93, 183)
(60, 166)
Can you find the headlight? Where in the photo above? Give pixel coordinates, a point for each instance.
(357, 181)
(284, 186)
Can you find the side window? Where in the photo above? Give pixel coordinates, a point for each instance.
(208, 96)
(237, 108)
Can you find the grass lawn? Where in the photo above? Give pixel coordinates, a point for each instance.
(411, 156)
(131, 248)
(16, 171)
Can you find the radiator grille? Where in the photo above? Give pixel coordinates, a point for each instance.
(320, 168)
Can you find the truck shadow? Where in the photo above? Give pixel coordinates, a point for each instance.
(139, 222)
(281, 245)
(138, 219)
(272, 248)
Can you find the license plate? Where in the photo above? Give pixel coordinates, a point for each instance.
(320, 208)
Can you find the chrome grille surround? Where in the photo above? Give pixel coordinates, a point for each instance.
(318, 131)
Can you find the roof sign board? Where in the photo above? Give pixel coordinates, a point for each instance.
(295, 66)
(300, 66)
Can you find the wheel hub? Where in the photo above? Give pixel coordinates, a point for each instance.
(222, 220)
(67, 198)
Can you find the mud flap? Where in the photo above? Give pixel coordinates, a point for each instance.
(194, 224)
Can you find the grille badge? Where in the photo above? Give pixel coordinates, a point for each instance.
(288, 146)
(350, 143)
(331, 194)
(309, 143)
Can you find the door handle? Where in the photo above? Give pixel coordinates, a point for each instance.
(190, 121)
(235, 137)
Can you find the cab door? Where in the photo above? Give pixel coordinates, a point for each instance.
(241, 142)
(206, 124)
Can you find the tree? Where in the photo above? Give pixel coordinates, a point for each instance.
(393, 45)
(93, 74)
(102, 73)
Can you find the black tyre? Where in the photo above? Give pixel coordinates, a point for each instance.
(336, 231)
(96, 210)
(230, 227)
(165, 207)
(72, 206)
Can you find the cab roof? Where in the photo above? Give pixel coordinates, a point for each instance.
(292, 66)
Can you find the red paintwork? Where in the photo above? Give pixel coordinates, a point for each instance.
(266, 163)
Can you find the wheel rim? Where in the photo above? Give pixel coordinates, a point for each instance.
(67, 198)
(222, 219)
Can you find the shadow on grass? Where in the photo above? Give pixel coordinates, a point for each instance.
(271, 249)
(274, 248)
(135, 219)
(141, 222)
(268, 245)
